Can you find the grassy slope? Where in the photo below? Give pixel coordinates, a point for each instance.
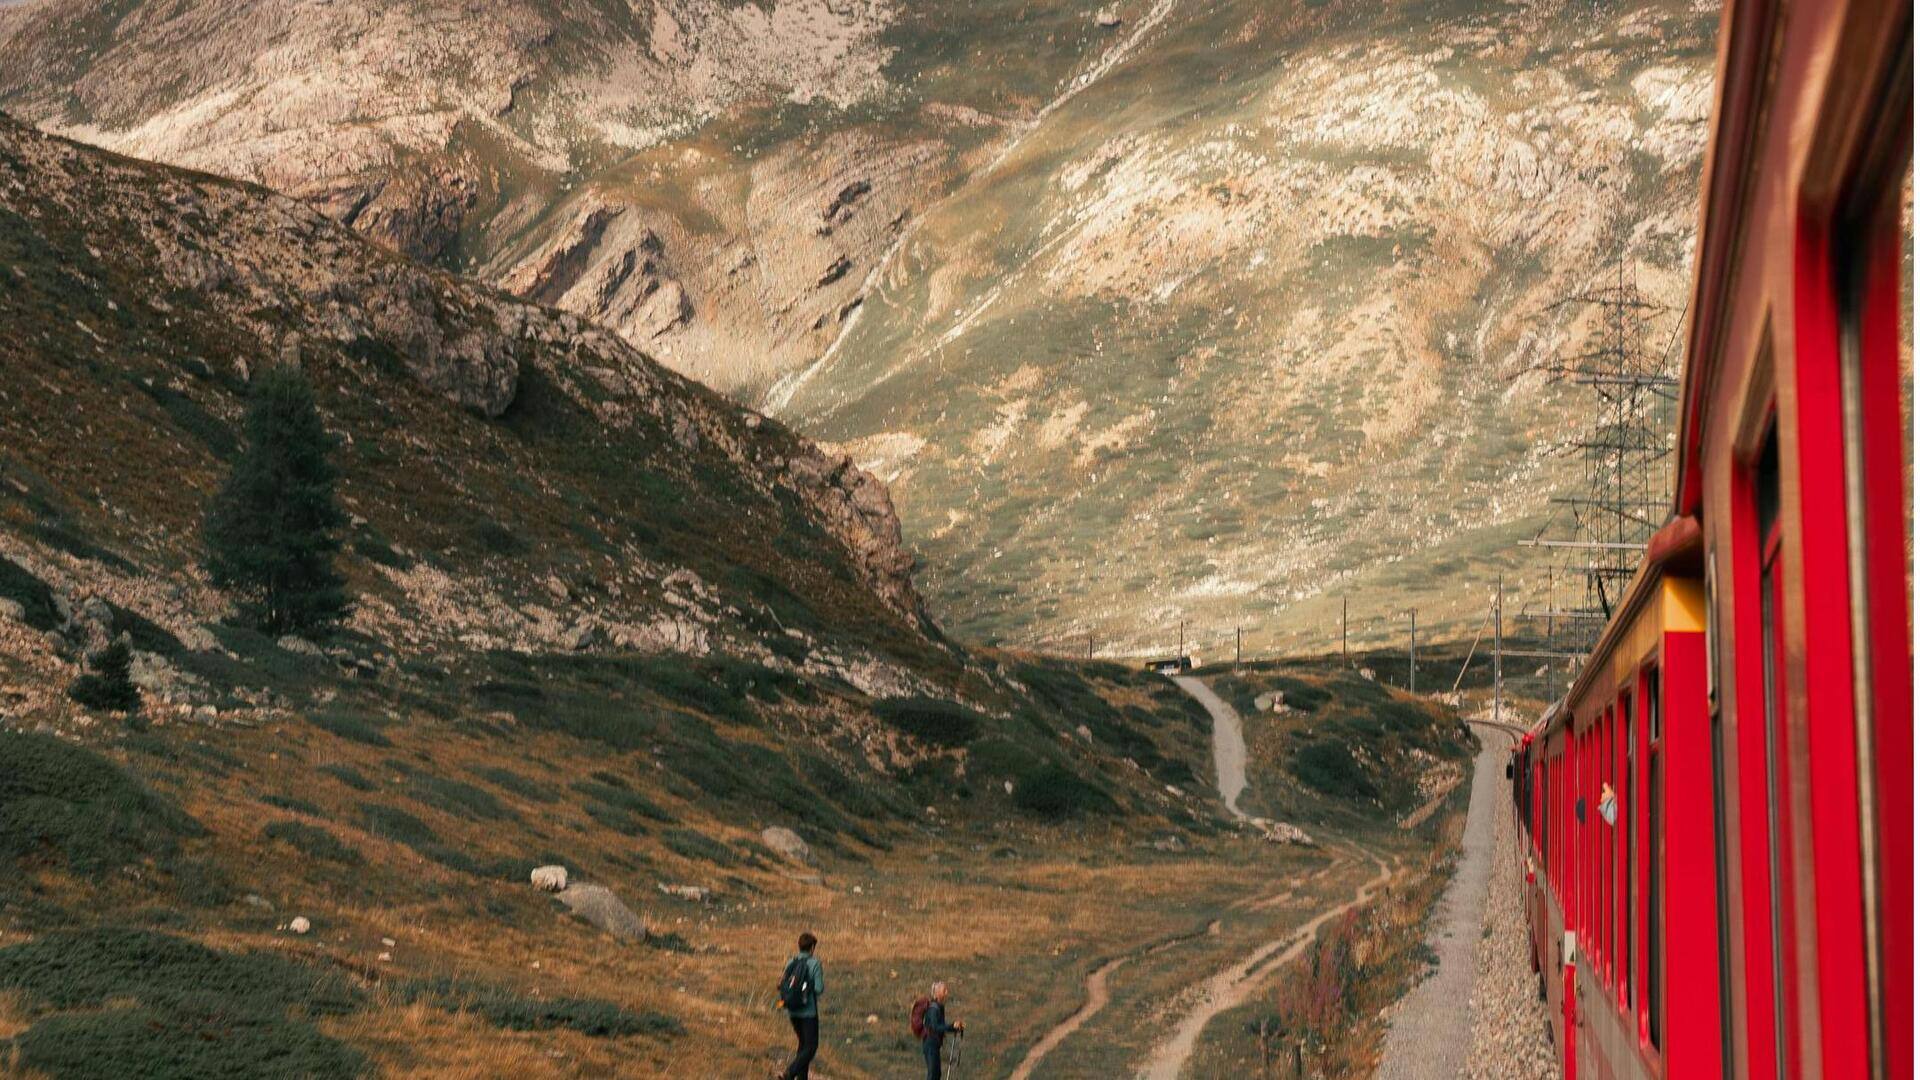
(411, 804)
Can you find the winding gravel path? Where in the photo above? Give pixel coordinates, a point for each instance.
(1229, 744)
(1427, 1038)
(1232, 986)
(1097, 998)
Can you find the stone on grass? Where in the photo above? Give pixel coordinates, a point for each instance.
(299, 646)
(693, 894)
(299, 924)
(598, 906)
(549, 878)
(787, 843)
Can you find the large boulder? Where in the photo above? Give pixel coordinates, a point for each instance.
(549, 878)
(597, 905)
(787, 843)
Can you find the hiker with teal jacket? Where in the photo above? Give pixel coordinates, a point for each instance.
(801, 985)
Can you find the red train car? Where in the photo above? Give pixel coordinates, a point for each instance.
(1615, 790)
(1719, 816)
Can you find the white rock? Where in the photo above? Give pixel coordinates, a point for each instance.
(299, 645)
(549, 878)
(299, 924)
(787, 842)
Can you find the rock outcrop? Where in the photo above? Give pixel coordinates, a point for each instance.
(598, 906)
(787, 843)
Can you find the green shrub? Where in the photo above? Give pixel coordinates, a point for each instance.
(503, 1008)
(288, 802)
(700, 847)
(1057, 793)
(930, 720)
(622, 798)
(85, 968)
(30, 593)
(312, 841)
(349, 776)
(523, 786)
(161, 1044)
(179, 1010)
(498, 539)
(460, 799)
(350, 727)
(393, 823)
(374, 547)
(65, 800)
(212, 431)
(109, 686)
(1326, 766)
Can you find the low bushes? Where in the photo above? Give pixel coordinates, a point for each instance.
(65, 801)
(349, 776)
(930, 720)
(523, 786)
(460, 799)
(1057, 793)
(1328, 767)
(504, 1008)
(312, 841)
(173, 1009)
(350, 726)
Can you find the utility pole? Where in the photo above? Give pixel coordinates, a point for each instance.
(1499, 596)
(1236, 648)
(1412, 620)
(1089, 645)
(1182, 651)
(1343, 629)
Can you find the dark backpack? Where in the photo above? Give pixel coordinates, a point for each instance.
(795, 989)
(917, 1018)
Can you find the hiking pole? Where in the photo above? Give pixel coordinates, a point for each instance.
(953, 1054)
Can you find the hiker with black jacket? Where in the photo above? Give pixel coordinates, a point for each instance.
(936, 1029)
(801, 985)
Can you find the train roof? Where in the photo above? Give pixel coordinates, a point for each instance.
(1673, 551)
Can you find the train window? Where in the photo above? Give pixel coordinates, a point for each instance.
(1630, 828)
(1874, 264)
(1789, 840)
(1656, 853)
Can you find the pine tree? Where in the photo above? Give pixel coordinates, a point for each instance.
(271, 532)
(109, 686)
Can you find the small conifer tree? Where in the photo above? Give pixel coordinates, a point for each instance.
(271, 532)
(109, 686)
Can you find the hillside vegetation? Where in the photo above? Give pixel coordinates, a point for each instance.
(601, 618)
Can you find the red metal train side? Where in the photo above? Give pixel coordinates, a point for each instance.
(1749, 913)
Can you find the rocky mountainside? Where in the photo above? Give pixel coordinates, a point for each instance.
(479, 430)
(712, 179)
(1262, 318)
(1147, 310)
(603, 619)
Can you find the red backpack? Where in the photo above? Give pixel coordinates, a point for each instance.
(917, 1018)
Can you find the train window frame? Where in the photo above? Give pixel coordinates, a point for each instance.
(1869, 255)
(1653, 974)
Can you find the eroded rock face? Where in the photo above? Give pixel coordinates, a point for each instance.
(856, 507)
